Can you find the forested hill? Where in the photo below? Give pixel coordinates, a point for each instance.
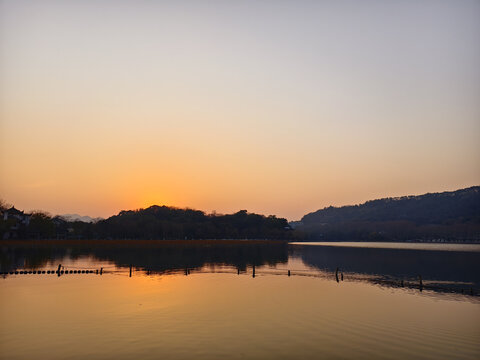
(162, 222)
(155, 222)
(424, 209)
(452, 215)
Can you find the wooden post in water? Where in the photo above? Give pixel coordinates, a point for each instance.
(341, 275)
(420, 282)
(288, 272)
(336, 274)
(253, 274)
(130, 271)
(238, 271)
(58, 270)
(101, 271)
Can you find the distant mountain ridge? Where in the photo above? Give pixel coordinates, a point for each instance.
(76, 217)
(451, 215)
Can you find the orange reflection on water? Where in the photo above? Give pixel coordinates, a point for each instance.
(206, 315)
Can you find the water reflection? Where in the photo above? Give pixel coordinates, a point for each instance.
(441, 271)
(455, 271)
(155, 256)
(159, 312)
(395, 263)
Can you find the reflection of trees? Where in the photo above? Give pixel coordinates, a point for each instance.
(29, 256)
(157, 256)
(395, 263)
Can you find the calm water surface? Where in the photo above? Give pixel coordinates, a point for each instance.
(392, 245)
(203, 301)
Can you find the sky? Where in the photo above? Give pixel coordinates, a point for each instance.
(277, 107)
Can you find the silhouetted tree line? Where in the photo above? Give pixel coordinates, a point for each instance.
(448, 216)
(161, 222)
(451, 216)
(156, 222)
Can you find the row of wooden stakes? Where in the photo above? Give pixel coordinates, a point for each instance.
(338, 275)
(58, 272)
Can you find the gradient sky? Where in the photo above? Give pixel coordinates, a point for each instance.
(278, 107)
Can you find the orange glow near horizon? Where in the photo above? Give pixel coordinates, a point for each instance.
(187, 106)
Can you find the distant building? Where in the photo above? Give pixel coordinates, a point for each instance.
(18, 215)
(16, 219)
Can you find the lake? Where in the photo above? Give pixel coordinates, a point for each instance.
(238, 300)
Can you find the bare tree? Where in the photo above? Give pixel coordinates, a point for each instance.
(4, 205)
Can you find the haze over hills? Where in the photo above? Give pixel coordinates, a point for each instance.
(446, 215)
(76, 217)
